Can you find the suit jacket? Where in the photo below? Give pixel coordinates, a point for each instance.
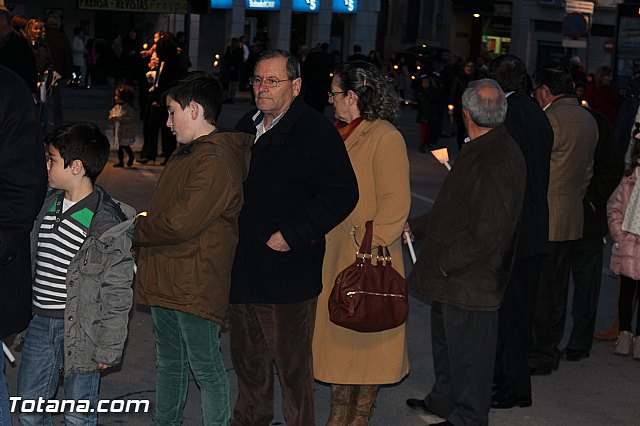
(23, 183)
(530, 128)
(575, 135)
(608, 168)
(300, 183)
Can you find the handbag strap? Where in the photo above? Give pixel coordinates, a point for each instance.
(364, 252)
(384, 257)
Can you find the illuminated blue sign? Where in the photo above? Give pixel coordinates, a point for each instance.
(221, 4)
(305, 5)
(345, 6)
(262, 4)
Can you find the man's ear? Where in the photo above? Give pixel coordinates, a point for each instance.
(296, 84)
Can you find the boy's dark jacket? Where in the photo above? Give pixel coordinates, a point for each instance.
(301, 183)
(187, 241)
(99, 278)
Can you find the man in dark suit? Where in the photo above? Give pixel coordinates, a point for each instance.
(530, 128)
(23, 182)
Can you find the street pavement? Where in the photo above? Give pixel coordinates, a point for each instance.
(600, 390)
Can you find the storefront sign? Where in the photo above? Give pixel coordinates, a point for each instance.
(573, 6)
(221, 4)
(345, 6)
(305, 5)
(148, 6)
(262, 4)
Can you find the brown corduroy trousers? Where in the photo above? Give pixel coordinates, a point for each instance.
(262, 335)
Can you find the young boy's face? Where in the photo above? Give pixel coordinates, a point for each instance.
(179, 121)
(59, 176)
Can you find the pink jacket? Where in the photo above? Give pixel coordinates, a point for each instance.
(625, 254)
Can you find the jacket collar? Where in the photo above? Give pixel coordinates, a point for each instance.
(360, 132)
(565, 100)
(287, 122)
(111, 218)
(479, 143)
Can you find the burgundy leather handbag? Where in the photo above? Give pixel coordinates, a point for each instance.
(369, 297)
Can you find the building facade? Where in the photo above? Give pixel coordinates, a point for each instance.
(535, 30)
(541, 32)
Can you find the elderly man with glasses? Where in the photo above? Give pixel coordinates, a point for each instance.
(300, 185)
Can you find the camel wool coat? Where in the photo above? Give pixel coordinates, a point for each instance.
(342, 356)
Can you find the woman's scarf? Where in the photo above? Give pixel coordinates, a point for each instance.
(345, 129)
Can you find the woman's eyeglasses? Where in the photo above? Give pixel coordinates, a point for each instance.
(332, 94)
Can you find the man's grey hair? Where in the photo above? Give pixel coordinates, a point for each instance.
(488, 108)
(293, 65)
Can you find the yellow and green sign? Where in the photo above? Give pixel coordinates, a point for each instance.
(147, 6)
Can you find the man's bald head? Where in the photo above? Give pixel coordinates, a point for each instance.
(486, 103)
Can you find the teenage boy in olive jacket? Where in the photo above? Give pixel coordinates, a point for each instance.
(186, 246)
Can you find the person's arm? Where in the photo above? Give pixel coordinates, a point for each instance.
(615, 214)
(607, 165)
(116, 299)
(205, 192)
(393, 193)
(23, 174)
(418, 225)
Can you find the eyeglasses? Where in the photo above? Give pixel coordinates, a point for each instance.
(533, 91)
(268, 82)
(332, 94)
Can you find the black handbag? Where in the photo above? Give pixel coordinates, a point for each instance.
(368, 297)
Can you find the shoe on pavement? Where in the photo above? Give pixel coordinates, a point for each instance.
(507, 401)
(418, 404)
(636, 347)
(574, 354)
(431, 417)
(610, 334)
(543, 368)
(623, 345)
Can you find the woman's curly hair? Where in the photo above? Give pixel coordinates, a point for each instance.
(376, 96)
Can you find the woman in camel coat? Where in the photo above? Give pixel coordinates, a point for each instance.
(357, 363)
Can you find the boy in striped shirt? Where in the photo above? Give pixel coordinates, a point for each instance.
(83, 270)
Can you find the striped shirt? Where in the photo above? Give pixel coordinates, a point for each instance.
(60, 237)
